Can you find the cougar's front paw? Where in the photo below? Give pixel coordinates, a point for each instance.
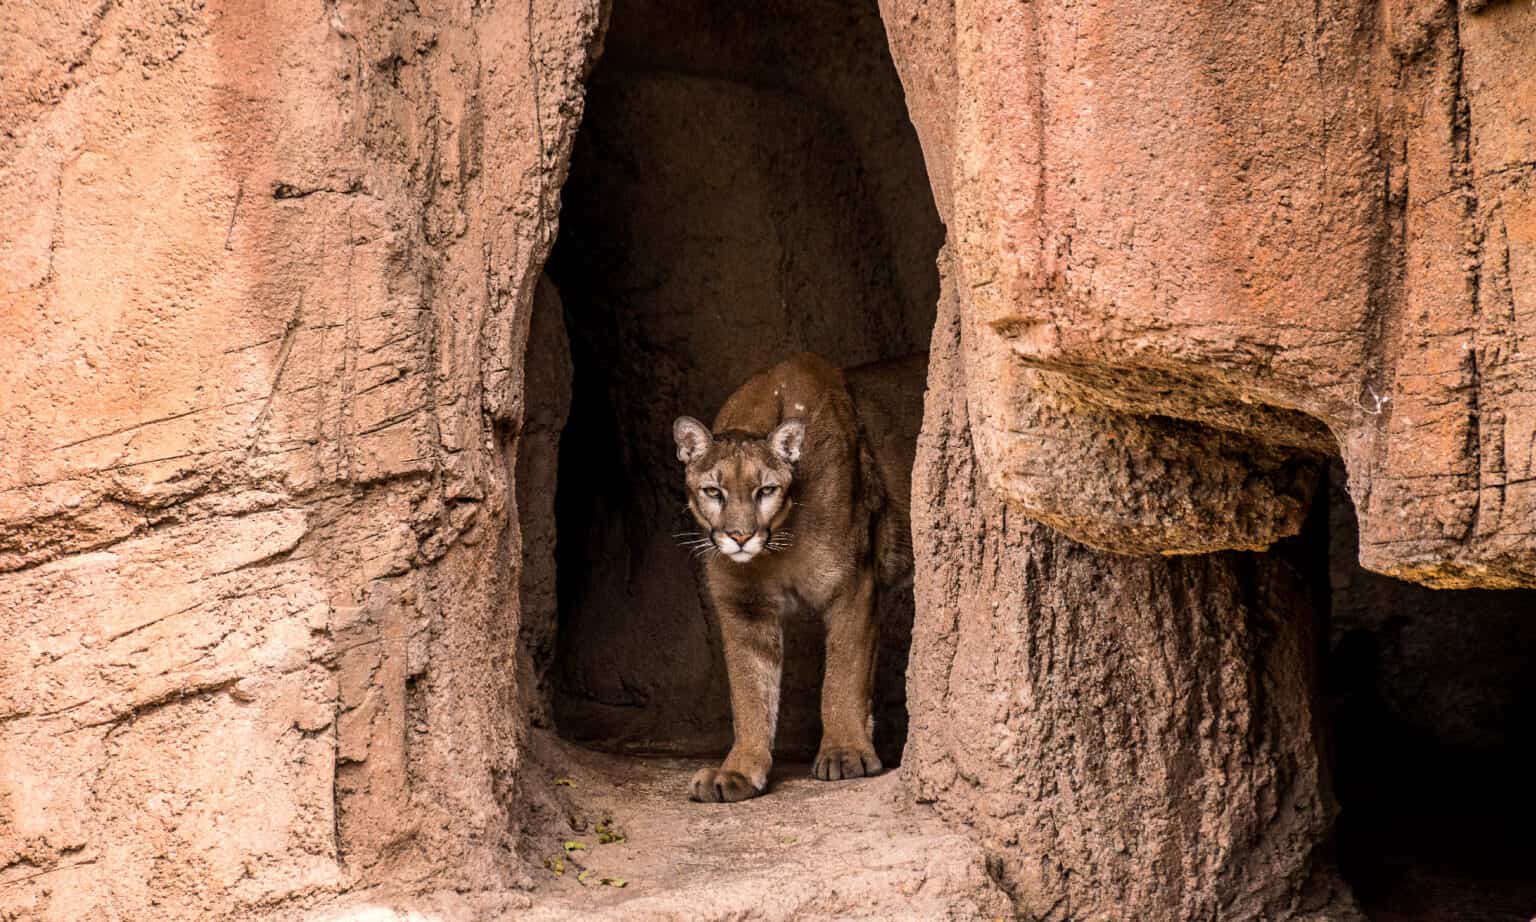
(721, 786)
(838, 763)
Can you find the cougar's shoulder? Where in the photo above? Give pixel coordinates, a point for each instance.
(806, 387)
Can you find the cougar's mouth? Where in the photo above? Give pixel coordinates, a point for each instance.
(741, 551)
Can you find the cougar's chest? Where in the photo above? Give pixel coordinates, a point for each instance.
(808, 579)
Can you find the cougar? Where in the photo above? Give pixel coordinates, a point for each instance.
(801, 494)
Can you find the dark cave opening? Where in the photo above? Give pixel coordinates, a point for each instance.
(1429, 697)
(745, 184)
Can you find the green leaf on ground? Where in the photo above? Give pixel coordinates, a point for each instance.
(614, 882)
(575, 846)
(565, 781)
(555, 864)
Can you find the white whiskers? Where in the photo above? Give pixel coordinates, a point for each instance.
(697, 543)
(780, 541)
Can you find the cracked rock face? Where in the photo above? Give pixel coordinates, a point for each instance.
(1192, 251)
(1129, 737)
(1296, 230)
(267, 278)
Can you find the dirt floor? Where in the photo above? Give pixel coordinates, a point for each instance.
(806, 850)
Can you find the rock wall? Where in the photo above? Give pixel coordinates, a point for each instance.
(1193, 250)
(266, 291)
(1238, 238)
(1130, 738)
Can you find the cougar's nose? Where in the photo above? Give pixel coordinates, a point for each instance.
(740, 537)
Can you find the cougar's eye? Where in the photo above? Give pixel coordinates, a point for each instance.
(712, 492)
(767, 491)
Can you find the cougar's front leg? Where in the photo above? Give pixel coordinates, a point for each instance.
(847, 750)
(754, 658)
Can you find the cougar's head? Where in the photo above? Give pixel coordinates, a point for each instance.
(738, 483)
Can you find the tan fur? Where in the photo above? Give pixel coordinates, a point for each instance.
(832, 526)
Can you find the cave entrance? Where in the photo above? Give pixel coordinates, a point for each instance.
(745, 184)
(1430, 694)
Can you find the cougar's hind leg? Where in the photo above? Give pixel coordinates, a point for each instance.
(847, 749)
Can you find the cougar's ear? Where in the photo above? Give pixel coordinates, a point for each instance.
(692, 437)
(787, 440)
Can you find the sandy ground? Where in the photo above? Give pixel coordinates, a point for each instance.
(805, 850)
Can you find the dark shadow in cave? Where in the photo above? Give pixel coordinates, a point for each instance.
(745, 184)
(1430, 696)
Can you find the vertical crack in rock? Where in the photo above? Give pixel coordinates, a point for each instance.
(1461, 148)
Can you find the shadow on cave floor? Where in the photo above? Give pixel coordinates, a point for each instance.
(1431, 695)
(1409, 865)
(1429, 832)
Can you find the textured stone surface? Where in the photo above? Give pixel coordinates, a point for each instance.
(1306, 224)
(266, 285)
(1130, 738)
(1193, 249)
